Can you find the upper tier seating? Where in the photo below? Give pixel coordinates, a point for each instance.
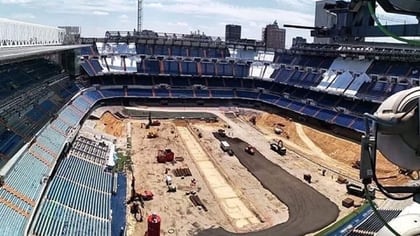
(114, 48)
(181, 51)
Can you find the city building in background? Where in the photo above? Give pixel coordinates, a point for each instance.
(298, 40)
(72, 34)
(273, 36)
(233, 33)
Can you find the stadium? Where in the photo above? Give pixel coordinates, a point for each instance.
(146, 133)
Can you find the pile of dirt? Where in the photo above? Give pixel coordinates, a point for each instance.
(111, 124)
(269, 121)
(348, 152)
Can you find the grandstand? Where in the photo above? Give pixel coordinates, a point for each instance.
(52, 178)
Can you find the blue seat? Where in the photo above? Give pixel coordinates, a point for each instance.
(70, 116)
(310, 110)
(344, 120)
(326, 115)
(112, 92)
(93, 95)
(202, 93)
(137, 92)
(161, 93)
(283, 75)
(269, 98)
(81, 104)
(171, 67)
(247, 94)
(56, 219)
(358, 125)
(26, 176)
(180, 82)
(241, 70)
(208, 68)
(215, 82)
(182, 93)
(233, 82)
(295, 106)
(9, 142)
(152, 66)
(222, 94)
(188, 68)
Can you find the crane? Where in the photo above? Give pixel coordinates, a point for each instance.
(139, 15)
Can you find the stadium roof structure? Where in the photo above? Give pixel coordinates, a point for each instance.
(8, 55)
(373, 50)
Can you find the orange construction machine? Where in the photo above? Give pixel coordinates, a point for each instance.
(164, 156)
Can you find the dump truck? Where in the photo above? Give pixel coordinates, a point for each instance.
(278, 147)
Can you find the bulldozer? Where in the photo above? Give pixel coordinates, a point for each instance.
(278, 147)
(152, 134)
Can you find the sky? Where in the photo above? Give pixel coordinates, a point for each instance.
(175, 16)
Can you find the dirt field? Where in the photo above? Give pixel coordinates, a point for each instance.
(348, 152)
(309, 151)
(110, 124)
(309, 210)
(267, 122)
(321, 143)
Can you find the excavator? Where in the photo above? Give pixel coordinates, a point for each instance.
(137, 200)
(152, 122)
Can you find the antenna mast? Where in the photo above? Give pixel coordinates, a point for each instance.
(139, 15)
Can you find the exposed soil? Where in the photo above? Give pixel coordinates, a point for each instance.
(110, 124)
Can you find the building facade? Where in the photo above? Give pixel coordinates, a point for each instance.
(297, 41)
(72, 35)
(274, 37)
(324, 19)
(232, 33)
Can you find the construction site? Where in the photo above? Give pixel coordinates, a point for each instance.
(219, 171)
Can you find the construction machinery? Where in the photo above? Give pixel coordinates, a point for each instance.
(152, 134)
(224, 145)
(250, 149)
(278, 147)
(221, 132)
(253, 120)
(152, 122)
(164, 156)
(356, 164)
(230, 152)
(147, 195)
(137, 202)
